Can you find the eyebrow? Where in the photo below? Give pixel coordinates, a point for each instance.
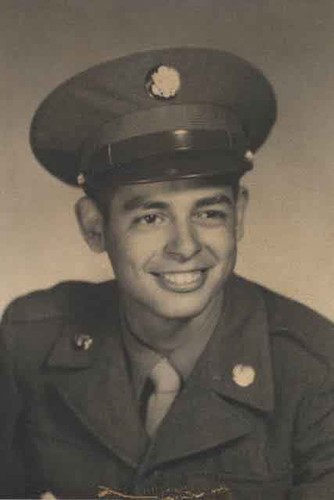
(141, 202)
(214, 200)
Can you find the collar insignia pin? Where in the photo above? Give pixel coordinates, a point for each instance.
(243, 375)
(83, 342)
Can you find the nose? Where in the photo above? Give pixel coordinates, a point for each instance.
(183, 242)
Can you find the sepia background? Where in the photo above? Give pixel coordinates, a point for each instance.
(289, 238)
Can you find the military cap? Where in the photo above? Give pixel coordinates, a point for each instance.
(155, 115)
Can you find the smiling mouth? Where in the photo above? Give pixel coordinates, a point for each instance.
(186, 281)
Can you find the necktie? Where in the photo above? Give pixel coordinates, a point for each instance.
(166, 383)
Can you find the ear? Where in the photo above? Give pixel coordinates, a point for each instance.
(90, 222)
(241, 205)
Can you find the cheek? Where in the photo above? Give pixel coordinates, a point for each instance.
(129, 251)
(221, 242)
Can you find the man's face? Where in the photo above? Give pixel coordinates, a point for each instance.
(173, 244)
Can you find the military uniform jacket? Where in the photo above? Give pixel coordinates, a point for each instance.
(70, 424)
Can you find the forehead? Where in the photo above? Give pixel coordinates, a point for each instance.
(189, 190)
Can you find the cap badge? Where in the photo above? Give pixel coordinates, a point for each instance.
(243, 375)
(47, 495)
(83, 342)
(163, 82)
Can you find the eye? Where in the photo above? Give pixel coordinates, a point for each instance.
(150, 220)
(211, 216)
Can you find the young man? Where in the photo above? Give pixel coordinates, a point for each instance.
(179, 378)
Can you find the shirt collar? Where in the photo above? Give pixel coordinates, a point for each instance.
(183, 358)
(142, 358)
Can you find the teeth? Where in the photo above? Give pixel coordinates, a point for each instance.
(182, 278)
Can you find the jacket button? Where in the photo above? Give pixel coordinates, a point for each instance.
(82, 342)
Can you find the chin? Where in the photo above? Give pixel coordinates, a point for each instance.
(180, 306)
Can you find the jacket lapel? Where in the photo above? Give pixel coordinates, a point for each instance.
(213, 408)
(95, 384)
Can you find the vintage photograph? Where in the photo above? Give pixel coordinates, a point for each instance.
(167, 235)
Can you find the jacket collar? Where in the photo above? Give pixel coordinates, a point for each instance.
(216, 406)
(242, 343)
(213, 407)
(95, 384)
